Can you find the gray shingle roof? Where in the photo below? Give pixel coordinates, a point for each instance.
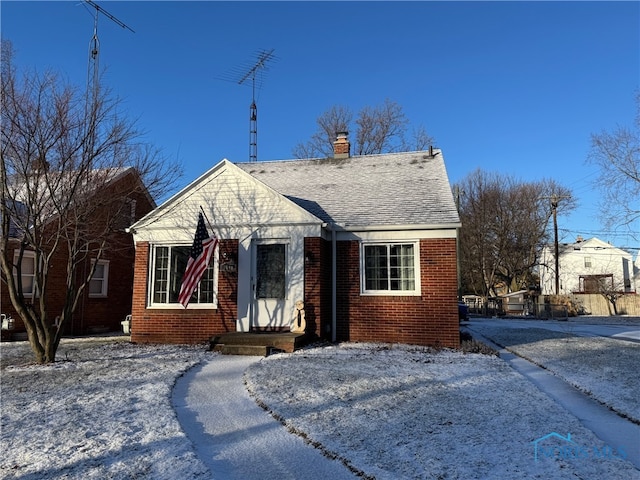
(391, 189)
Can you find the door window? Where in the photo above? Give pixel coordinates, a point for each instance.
(270, 271)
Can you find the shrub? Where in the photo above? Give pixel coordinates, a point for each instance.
(470, 345)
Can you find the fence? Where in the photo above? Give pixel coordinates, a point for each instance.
(572, 305)
(596, 304)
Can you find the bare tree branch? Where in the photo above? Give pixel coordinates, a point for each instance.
(617, 155)
(381, 129)
(504, 227)
(71, 175)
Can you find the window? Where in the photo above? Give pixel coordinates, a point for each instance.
(587, 262)
(390, 269)
(167, 267)
(270, 271)
(99, 283)
(27, 272)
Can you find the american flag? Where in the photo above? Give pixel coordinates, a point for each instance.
(201, 251)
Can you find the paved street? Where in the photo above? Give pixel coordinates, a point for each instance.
(622, 328)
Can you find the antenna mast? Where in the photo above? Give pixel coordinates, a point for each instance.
(94, 51)
(254, 74)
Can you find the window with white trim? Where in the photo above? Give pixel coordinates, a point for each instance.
(27, 272)
(99, 283)
(168, 264)
(390, 268)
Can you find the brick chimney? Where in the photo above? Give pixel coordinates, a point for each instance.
(342, 147)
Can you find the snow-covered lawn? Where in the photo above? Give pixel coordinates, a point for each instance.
(402, 412)
(604, 368)
(102, 411)
(392, 412)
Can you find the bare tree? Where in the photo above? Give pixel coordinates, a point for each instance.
(71, 168)
(617, 155)
(418, 140)
(504, 227)
(334, 120)
(381, 129)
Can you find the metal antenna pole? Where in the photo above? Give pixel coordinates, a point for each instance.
(93, 76)
(251, 73)
(94, 52)
(261, 63)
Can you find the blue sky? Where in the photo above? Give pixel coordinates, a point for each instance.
(509, 87)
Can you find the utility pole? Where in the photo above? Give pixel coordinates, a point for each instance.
(555, 199)
(457, 200)
(554, 209)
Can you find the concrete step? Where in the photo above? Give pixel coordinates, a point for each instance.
(250, 350)
(269, 342)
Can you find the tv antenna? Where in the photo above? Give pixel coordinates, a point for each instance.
(94, 50)
(255, 74)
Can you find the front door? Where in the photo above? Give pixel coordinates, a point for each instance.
(269, 285)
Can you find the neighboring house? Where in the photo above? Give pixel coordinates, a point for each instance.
(367, 243)
(107, 299)
(587, 266)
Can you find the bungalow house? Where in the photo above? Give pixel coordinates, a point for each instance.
(107, 300)
(367, 243)
(586, 266)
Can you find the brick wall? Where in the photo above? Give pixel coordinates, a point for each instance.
(94, 314)
(317, 286)
(180, 325)
(429, 319)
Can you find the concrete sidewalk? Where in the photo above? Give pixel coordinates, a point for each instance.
(236, 438)
(604, 423)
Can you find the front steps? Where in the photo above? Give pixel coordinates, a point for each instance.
(257, 344)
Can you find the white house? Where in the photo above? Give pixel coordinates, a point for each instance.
(585, 266)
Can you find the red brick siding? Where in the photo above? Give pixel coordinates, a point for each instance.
(180, 325)
(94, 314)
(317, 286)
(429, 319)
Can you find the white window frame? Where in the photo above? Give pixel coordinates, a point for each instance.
(104, 290)
(27, 254)
(193, 305)
(416, 291)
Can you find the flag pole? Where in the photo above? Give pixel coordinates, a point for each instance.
(206, 218)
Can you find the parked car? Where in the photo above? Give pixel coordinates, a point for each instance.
(463, 311)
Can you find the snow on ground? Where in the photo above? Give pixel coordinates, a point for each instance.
(102, 411)
(604, 368)
(393, 412)
(402, 412)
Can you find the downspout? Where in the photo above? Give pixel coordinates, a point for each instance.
(334, 287)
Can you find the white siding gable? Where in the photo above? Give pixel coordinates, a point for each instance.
(586, 258)
(233, 202)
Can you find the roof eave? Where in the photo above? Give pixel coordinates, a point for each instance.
(389, 228)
